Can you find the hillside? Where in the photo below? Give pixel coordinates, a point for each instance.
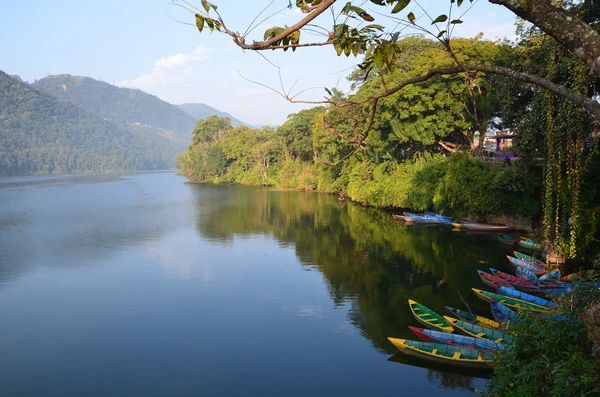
(40, 134)
(126, 105)
(200, 111)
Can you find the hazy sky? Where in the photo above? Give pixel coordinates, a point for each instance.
(137, 43)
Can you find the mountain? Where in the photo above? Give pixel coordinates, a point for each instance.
(125, 105)
(41, 134)
(200, 111)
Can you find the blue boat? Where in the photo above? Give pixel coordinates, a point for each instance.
(428, 335)
(502, 313)
(513, 293)
(526, 274)
(549, 278)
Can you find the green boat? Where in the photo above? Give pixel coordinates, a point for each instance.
(429, 318)
(513, 303)
(530, 244)
(529, 258)
(457, 356)
(479, 332)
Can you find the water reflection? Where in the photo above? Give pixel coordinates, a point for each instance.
(367, 259)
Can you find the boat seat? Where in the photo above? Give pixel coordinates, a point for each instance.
(434, 351)
(479, 335)
(456, 356)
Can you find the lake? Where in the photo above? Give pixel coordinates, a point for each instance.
(144, 285)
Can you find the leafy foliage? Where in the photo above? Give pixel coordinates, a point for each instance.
(40, 134)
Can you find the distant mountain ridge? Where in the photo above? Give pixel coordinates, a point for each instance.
(41, 134)
(201, 111)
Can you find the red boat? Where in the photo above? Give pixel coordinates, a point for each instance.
(493, 281)
(516, 282)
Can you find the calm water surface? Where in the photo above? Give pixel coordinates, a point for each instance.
(143, 285)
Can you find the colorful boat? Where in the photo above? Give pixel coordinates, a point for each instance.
(537, 270)
(526, 274)
(516, 282)
(464, 357)
(552, 277)
(398, 217)
(429, 318)
(506, 239)
(529, 259)
(509, 301)
(478, 331)
(427, 335)
(427, 213)
(481, 226)
(513, 293)
(502, 313)
(493, 281)
(428, 218)
(530, 244)
(474, 319)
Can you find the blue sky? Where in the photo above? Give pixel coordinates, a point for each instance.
(137, 43)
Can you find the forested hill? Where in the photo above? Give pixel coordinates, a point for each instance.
(120, 104)
(201, 111)
(39, 133)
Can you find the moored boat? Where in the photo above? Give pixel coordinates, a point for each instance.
(428, 335)
(529, 258)
(529, 244)
(506, 239)
(455, 355)
(537, 270)
(481, 226)
(493, 281)
(526, 274)
(509, 301)
(516, 282)
(502, 313)
(429, 318)
(474, 318)
(513, 293)
(552, 277)
(478, 331)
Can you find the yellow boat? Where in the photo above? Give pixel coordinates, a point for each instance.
(429, 318)
(455, 355)
(474, 318)
(510, 301)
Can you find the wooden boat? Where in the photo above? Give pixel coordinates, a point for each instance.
(516, 282)
(502, 313)
(428, 218)
(464, 357)
(509, 301)
(530, 244)
(493, 281)
(552, 277)
(526, 274)
(481, 226)
(473, 318)
(506, 239)
(478, 331)
(513, 293)
(529, 259)
(429, 318)
(427, 213)
(537, 270)
(427, 335)
(398, 217)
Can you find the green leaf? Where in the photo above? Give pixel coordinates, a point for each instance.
(441, 18)
(199, 22)
(456, 21)
(400, 5)
(328, 91)
(411, 17)
(206, 5)
(378, 58)
(440, 34)
(459, 2)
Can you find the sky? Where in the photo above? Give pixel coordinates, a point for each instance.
(151, 45)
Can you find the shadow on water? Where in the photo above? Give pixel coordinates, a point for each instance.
(367, 259)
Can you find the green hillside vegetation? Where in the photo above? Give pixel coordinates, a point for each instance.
(40, 134)
(120, 104)
(200, 111)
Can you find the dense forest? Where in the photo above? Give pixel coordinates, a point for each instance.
(40, 134)
(119, 104)
(422, 149)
